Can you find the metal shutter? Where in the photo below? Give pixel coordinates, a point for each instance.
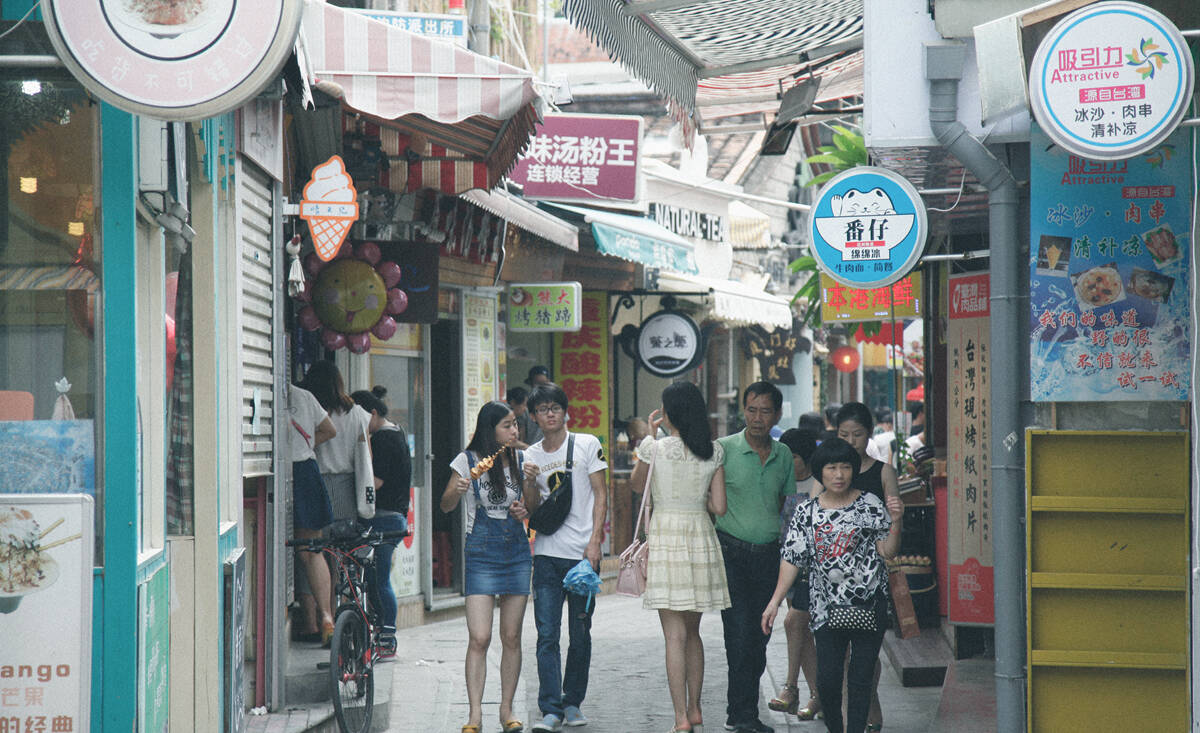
(255, 238)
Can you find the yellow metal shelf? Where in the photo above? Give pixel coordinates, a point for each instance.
(1113, 660)
(1101, 504)
(1109, 581)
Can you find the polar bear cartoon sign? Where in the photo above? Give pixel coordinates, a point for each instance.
(867, 227)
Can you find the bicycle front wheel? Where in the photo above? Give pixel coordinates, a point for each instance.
(352, 679)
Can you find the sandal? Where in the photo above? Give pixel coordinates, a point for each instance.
(787, 700)
(513, 725)
(470, 728)
(812, 710)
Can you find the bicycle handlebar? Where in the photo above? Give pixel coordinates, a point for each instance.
(369, 538)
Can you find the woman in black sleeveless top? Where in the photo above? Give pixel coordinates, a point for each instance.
(854, 425)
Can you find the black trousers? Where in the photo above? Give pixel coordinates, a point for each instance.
(751, 571)
(860, 675)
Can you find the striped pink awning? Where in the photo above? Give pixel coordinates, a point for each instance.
(478, 107)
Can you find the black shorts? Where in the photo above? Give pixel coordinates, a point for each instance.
(798, 595)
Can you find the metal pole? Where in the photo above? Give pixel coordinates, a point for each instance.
(943, 65)
(480, 27)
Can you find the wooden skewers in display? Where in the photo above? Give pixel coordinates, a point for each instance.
(50, 529)
(485, 464)
(56, 543)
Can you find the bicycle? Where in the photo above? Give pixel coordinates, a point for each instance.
(356, 645)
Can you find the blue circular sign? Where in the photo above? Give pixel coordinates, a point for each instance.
(867, 228)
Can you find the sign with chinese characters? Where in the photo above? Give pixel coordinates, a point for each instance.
(867, 227)
(234, 609)
(901, 299)
(330, 206)
(1109, 287)
(668, 343)
(173, 60)
(582, 158)
(545, 306)
(1111, 80)
(689, 222)
(774, 352)
(406, 559)
(451, 28)
(581, 369)
(46, 611)
(968, 469)
(478, 356)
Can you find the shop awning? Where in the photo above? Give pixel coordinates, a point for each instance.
(703, 55)
(521, 213)
(733, 301)
(637, 239)
(749, 228)
(462, 117)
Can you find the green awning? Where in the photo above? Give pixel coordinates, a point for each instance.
(638, 239)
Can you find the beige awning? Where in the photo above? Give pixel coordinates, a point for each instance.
(733, 301)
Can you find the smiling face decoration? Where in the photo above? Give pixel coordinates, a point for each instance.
(352, 298)
(855, 203)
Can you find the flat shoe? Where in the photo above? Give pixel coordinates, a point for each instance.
(470, 728)
(513, 726)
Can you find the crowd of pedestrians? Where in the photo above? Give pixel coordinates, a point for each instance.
(739, 525)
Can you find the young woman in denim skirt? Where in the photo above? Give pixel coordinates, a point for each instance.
(496, 552)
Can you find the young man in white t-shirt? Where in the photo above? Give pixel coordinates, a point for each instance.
(579, 537)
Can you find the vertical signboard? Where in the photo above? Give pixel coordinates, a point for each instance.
(968, 468)
(581, 369)
(1109, 268)
(235, 642)
(154, 648)
(406, 580)
(46, 547)
(479, 356)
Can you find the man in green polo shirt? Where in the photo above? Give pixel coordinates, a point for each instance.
(758, 475)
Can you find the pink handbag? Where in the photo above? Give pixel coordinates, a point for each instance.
(631, 573)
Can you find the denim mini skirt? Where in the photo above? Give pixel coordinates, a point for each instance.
(498, 558)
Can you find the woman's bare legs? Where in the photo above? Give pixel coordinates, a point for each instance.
(802, 652)
(675, 634)
(479, 637)
(317, 571)
(694, 674)
(512, 615)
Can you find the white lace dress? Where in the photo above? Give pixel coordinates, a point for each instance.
(686, 571)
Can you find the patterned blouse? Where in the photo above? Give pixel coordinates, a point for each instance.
(838, 551)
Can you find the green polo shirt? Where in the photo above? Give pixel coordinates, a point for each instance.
(755, 490)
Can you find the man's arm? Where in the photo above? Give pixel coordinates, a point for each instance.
(599, 513)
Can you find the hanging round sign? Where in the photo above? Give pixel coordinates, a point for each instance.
(668, 343)
(867, 227)
(1111, 80)
(173, 60)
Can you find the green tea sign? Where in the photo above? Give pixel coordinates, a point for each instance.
(545, 307)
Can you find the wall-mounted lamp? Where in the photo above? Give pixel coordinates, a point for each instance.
(28, 185)
(75, 228)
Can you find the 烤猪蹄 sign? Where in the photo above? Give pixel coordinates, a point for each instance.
(867, 227)
(545, 307)
(173, 60)
(1111, 80)
(582, 158)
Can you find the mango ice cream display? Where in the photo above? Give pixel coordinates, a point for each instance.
(330, 206)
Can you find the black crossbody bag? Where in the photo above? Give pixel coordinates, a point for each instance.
(553, 510)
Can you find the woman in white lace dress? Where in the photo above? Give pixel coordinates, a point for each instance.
(686, 574)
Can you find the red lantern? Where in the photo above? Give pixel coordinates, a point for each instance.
(845, 358)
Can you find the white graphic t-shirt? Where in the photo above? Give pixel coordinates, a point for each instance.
(305, 415)
(571, 539)
(495, 501)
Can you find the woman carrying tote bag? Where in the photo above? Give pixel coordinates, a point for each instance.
(351, 492)
(685, 575)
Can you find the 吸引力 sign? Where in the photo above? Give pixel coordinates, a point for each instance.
(867, 227)
(582, 158)
(668, 343)
(1109, 274)
(173, 60)
(901, 299)
(451, 28)
(1111, 80)
(545, 307)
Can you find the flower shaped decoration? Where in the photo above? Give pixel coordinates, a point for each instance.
(352, 297)
(1146, 57)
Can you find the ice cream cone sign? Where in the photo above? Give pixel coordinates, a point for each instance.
(330, 206)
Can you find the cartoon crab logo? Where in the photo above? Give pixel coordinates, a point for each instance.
(1146, 58)
(352, 297)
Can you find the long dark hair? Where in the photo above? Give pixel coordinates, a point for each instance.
(855, 412)
(483, 444)
(684, 406)
(325, 382)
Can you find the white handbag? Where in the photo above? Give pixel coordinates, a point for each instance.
(364, 478)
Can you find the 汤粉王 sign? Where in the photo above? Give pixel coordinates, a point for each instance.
(1111, 80)
(867, 227)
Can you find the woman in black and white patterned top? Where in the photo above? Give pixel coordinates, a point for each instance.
(841, 538)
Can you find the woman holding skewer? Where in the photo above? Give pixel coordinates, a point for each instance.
(487, 479)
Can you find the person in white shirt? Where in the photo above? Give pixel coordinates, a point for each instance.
(311, 510)
(881, 444)
(336, 457)
(561, 691)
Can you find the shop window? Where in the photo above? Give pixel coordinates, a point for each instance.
(50, 326)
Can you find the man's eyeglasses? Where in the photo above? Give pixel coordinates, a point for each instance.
(554, 409)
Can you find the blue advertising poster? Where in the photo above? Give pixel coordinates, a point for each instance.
(1109, 290)
(867, 227)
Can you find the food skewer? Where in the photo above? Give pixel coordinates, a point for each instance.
(56, 543)
(50, 529)
(485, 464)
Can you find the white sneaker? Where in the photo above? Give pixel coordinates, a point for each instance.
(574, 717)
(549, 724)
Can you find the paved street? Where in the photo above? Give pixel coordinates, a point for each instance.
(628, 690)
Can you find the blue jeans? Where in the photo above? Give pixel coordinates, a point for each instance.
(382, 595)
(751, 571)
(557, 690)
